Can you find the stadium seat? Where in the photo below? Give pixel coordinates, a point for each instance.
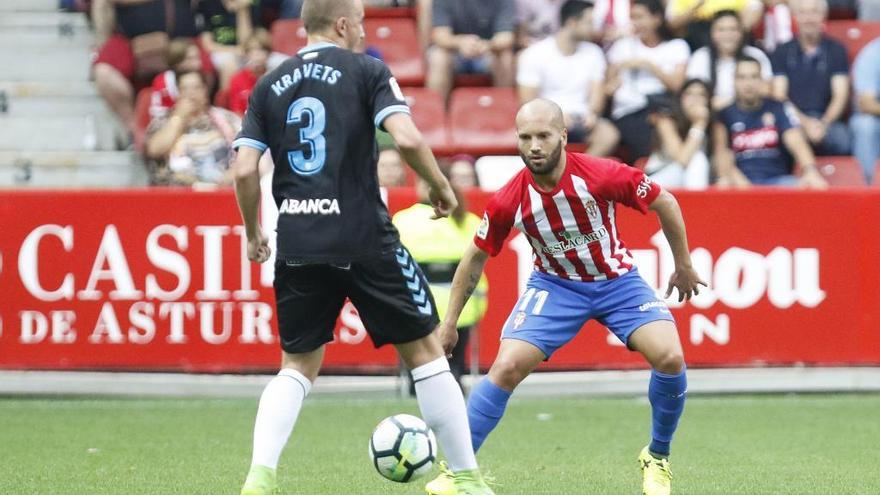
(481, 120)
(429, 115)
(394, 38)
(389, 12)
(853, 34)
(141, 117)
(841, 171)
(288, 36)
(495, 171)
(397, 42)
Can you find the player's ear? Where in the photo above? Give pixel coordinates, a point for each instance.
(564, 135)
(341, 26)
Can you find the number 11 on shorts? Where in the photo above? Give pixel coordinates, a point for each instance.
(539, 296)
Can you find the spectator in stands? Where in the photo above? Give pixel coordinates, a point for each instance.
(611, 20)
(471, 37)
(753, 134)
(461, 173)
(777, 27)
(536, 20)
(649, 62)
(256, 54)
(390, 168)
(692, 18)
(680, 130)
(865, 123)
(812, 73)
(183, 56)
(192, 145)
(136, 52)
(715, 63)
(580, 92)
(227, 25)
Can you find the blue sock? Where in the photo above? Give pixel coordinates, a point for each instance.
(666, 394)
(485, 407)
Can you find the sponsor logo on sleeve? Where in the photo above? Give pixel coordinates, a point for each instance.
(483, 229)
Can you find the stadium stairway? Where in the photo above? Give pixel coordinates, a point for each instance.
(56, 130)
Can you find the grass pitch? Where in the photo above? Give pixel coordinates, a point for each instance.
(809, 444)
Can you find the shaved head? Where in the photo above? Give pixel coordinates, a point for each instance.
(541, 134)
(321, 15)
(541, 111)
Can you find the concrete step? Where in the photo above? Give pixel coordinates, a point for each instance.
(71, 169)
(42, 19)
(13, 38)
(41, 63)
(58, 133)
(28, 6)
(54, 106)
(47, 88)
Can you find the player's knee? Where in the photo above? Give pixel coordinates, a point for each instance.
(508, 373)
(670, 362)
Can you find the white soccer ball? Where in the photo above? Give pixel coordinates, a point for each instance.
(403, 448)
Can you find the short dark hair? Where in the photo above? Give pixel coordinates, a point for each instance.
(573, 9)
(741, 58)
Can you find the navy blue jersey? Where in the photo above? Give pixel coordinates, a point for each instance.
(317, 114)
(756, 138)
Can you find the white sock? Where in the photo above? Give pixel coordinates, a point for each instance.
(443, 408)
(279, 407)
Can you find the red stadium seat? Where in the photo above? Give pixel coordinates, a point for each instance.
(389, 12)
(394, 38)
(841, 171)
(288, 36)
(853, 34)
(429, 115)
(481, 120)
(398, 44)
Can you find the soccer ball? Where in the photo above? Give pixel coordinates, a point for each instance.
(403, 448)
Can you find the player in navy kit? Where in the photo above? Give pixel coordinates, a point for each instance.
(317, 114)
(565, 205)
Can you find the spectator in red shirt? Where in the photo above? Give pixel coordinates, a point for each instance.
(257, 49)
(183, 56)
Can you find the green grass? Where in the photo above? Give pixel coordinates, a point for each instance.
(811, 444)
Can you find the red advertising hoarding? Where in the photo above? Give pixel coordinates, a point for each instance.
(155, 280)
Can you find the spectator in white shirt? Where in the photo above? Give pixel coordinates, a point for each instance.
(649, 62)
(537, 19)
(570, 71)
(715, 63)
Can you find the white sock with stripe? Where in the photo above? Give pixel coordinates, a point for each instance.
(279, 407)
(443, 408)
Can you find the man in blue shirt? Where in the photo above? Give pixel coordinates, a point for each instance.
(753, 134)
(818, 66)
(865, 123)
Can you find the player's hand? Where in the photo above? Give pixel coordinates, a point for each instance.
(258, 248)
(448, 335)
(443, 200)
(812, 179)
(687, 282)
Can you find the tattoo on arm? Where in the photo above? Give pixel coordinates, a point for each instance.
(472, 285)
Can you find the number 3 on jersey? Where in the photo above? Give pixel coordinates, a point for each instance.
(311, 135)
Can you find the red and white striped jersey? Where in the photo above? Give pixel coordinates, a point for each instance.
(572, 229)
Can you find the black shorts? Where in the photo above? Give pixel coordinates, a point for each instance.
(389, 291)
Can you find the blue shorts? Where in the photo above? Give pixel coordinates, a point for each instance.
(552, 310)
(479, 65)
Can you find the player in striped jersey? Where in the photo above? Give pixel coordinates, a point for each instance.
(565, 205)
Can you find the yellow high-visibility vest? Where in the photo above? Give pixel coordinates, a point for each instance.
(437, 246)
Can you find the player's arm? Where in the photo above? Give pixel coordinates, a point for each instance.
(684, 278)
(464, 282)
(246, 175)
(418, 155)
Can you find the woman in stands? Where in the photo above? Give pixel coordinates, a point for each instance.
(649, 62)
(192, 145)
(680, 138)
(715, 63)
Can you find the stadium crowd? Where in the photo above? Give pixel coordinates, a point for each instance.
(730, 93)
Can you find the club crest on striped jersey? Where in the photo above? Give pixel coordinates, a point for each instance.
(592, 208)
